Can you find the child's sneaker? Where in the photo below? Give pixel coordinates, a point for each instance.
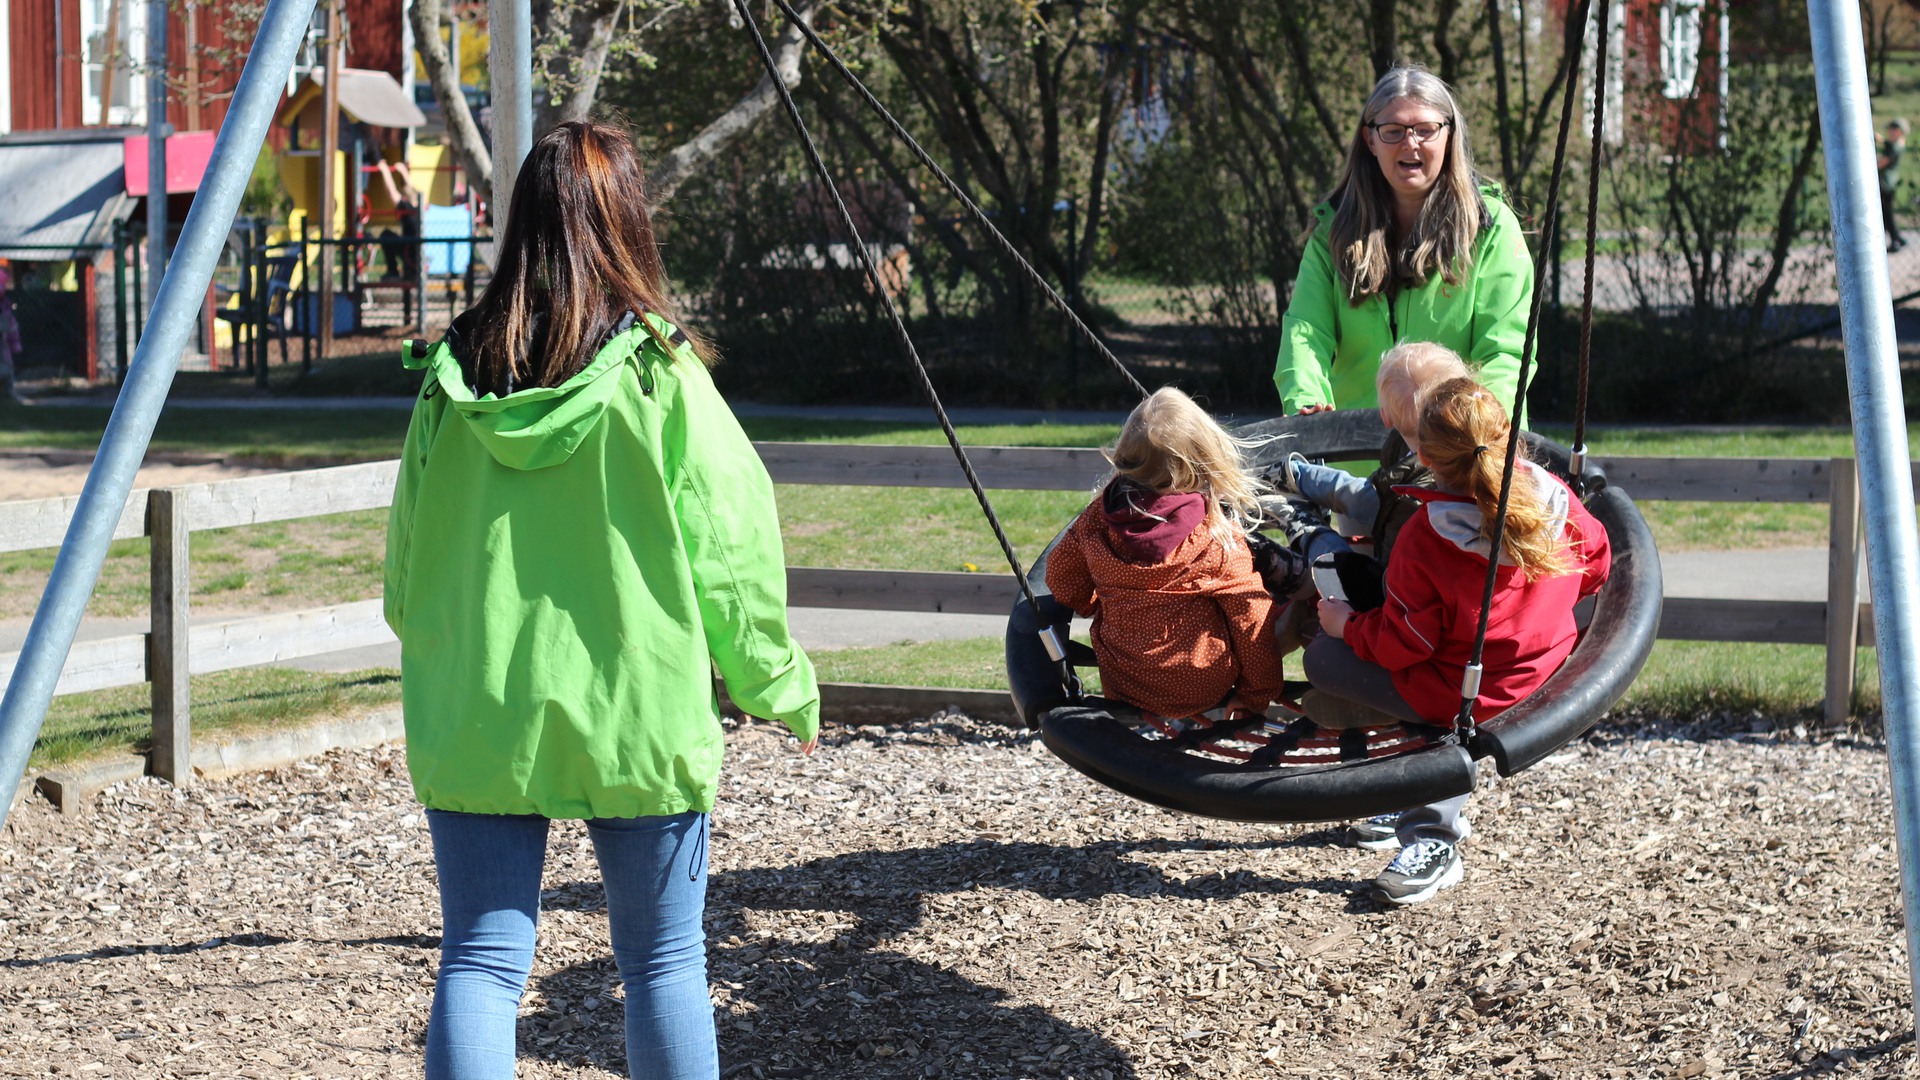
(1422, 868)
(1381, 832)
(1378, 833)
(1281, 477)
(1282, 570)
(1290, 517)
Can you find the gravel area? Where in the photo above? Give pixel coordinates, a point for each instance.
(941, 898)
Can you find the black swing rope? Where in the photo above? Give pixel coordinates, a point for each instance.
(1463, 724)
(1006, 246)
(1599, 90)
(1056, 649)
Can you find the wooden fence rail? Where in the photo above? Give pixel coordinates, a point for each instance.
(171, 652)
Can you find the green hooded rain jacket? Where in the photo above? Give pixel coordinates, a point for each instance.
(566, 567)
(1330, 350)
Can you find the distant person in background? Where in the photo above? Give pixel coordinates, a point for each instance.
(1892, 149)
(401, 249)
(9, 332)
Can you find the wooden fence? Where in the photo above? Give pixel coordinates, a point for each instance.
(169, 652)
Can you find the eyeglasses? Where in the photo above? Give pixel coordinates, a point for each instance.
(1394, 133)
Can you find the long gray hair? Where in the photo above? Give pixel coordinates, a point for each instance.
(1442, 241)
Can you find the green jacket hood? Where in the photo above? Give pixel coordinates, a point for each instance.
(541, 426)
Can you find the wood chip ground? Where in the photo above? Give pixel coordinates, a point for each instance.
(942, 898)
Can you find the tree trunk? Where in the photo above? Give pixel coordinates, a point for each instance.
(590, 29)
(1443, 46)
(575, 56)
(1383, 35)
(463, 135)
(684, 160)
(1502, 107)
(1786, 225)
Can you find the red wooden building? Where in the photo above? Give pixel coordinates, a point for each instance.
(1666, 69)
(71, 63)
(73, 110)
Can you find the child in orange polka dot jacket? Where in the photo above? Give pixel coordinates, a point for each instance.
(1161, 560)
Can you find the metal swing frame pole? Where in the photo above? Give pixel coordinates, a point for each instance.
(510, 68)
(1879, 422)
(177, 303)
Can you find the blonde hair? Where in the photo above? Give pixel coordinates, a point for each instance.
(1170, 444)
(1410, 370)
(1363, 221)
(1463, 438)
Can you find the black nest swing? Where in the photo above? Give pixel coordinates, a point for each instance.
(1260, 769)
(1286, 769)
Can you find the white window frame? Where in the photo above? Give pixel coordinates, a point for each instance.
(130, 98)
(1682, 24)
(1616, 89)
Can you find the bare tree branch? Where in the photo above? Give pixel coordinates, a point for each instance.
(462, 133)
(680, 163)
(573, 72)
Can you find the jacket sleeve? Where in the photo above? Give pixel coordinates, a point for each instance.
(1309, 331)
(1502, 295)
(1067, 576)
(1250, 612)
(1591, 547)
(1408, 628)
(421, 429)
(723, 499)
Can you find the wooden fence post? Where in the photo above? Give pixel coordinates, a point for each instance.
(1843, 587)
(172, 757)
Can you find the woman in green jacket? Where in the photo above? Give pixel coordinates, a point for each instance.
(1411, 245)
(581, 535)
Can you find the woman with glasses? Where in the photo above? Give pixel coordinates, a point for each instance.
(1411, 245)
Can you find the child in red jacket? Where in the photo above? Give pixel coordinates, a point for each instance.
(1406, 658)
(1161, 561)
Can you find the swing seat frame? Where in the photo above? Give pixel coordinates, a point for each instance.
(1106, 740)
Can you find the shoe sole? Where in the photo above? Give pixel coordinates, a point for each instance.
(1445, 881)
(1392, 842)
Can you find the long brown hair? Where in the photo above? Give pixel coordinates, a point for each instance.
(1463, 439)
(1364, 254)
(576, 255)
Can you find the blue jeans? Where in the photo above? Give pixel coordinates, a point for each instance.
(654, 870)
(1337, 490)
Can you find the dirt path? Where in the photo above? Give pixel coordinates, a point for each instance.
(944, 899)
(46, 475)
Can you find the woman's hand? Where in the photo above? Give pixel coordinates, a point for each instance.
(807, 748)
(1308, 410)
(1333, 618)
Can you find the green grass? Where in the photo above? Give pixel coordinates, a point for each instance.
(228, 703)
(1681, 679)
(282, 566)
(292, 436)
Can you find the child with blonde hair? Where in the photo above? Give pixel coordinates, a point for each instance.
(1404, 660)
(1162, 562)
(1369, 504)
